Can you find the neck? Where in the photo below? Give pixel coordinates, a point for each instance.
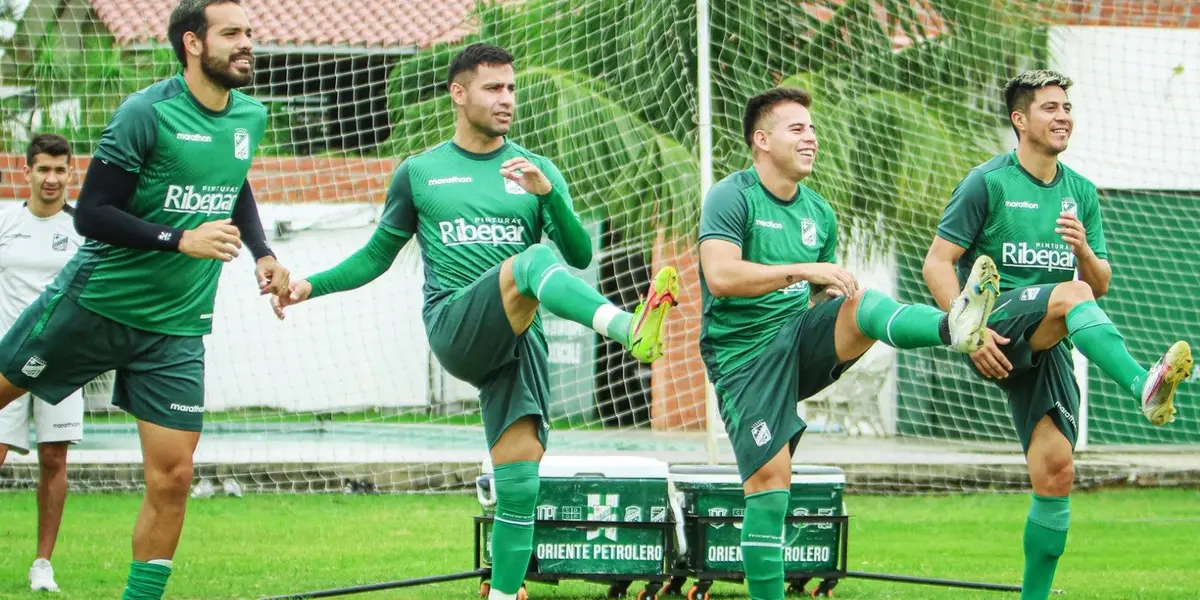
(780, 185)
(210, 95)
(469, 138)
(1039, 164)
(42, 209)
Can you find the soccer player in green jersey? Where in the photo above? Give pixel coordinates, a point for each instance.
(478, 205)
(781, 321)
(164, 205)
(1041, 222)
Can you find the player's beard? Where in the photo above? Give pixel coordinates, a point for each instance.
(221, 71)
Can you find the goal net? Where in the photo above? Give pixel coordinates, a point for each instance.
(639, 104)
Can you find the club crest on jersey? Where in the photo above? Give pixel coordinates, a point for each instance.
(1028, 294)
(59, 243)
(808, 232)
(1069, 206)
(513, 187)
(34, 367)
(241, 144)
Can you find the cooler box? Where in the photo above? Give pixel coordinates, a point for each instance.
(716, 491)
(593, 488)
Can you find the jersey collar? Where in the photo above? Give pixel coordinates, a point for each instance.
(484, 156)
(1058, 172)
(773, 197)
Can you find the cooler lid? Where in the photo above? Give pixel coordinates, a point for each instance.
(729, 474)
(609, 467)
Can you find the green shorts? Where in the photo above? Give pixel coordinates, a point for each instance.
(57, 346)
(471, 337)
(759, 401)
(1040, 383)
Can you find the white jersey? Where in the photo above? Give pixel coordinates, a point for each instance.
(32, 252)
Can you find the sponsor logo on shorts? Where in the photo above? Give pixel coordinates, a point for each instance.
(59, 243)
(448, 180)
(186, 408)
(1025, 204)
(1029, 294)
(808, 232)
(241, 144)
(66, 425)
(1065, 413)
(34, 367)
(761, 433)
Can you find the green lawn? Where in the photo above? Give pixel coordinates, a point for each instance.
(1123, 545)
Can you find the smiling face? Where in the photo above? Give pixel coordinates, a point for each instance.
(786, 136)
(226, 52)
(1047, 122)
(487, 98)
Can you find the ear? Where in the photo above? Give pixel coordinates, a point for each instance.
(192, 44)
(1018, 120)
(761, 140)
(26, 171)
(458, 93)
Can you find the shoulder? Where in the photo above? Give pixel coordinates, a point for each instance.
(733, 185)
(817, 200)
(1076, 180)
(145, 98)
(10, 215)
(541, 161)
(247, 101)
(416, 163)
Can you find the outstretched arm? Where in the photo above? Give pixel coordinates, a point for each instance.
(362, 267)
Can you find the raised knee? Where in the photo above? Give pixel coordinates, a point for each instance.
(1068, 295)
(1059, 474)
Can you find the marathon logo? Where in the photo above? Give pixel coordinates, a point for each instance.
(186, 408)
(497, 232)
(210, 200)
(1025, 255)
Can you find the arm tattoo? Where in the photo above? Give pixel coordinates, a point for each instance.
(790, 279)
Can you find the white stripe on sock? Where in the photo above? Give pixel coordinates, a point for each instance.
(888, 329)
(603, 318)
(512, 522)
(162, 562)
(546, 277)
(497, 595)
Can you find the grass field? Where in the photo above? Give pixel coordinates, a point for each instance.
(1123, 545)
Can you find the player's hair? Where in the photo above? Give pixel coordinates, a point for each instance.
(474, 55)
(47, 143)
(1020, 90)
(190, 16)
(763, 103)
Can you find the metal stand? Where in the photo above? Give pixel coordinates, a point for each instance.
(375, 587)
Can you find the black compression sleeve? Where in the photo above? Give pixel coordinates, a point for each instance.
(245, 218)
(101, 212)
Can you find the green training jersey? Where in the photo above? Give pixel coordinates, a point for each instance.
(770, 231)
(191, 164)
(1002, 211)
(466, 217)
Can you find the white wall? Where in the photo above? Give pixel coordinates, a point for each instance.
(1135, 97)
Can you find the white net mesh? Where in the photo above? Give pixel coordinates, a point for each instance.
(345, 394)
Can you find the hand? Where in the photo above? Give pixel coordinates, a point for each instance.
(526, 175)
(838, 281)
(296, 293)
(990, 360)
(1073, 233)
(272, 277)
(214, 239)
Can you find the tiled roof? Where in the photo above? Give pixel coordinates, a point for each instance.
(360, 23)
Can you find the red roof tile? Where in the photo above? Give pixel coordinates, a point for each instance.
(367, 23)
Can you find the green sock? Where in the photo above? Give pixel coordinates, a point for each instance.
(539, 275)
(903, 326)
(516, 487)
(147, 580)
(762, 543)
(1098, 339)
(1045, 541)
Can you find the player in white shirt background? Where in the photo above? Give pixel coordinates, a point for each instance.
(37, 238)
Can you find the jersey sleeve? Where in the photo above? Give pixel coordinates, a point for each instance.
(723, 216)
(964, 217)
(559, 184)
(130, 135)
(828, 252)
(1093, 223)
(400, 211)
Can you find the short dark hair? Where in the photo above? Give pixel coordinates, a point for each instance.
(1020, 90)
(190, 16)
(47, 143)
(474, 55)
(762, 104)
